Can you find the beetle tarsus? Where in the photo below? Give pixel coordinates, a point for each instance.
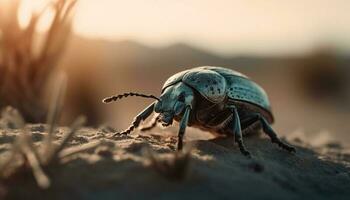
(274, 138)
(137, 120)
(125, 132)
(243, 149)
(256, 117)
(237, 130)
(283, 145)
(180, 143)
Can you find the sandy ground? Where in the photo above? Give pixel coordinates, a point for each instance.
(144, 166)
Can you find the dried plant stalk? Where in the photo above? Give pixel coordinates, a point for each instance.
(55, 110)
(77, 149)
(53, 154)
(24, 70)
(174, 166)
(29, 153)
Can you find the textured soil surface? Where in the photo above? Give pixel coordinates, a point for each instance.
(145, 166)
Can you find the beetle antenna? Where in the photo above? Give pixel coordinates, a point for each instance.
(120, 96)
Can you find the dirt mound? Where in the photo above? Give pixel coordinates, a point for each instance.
(144, 166)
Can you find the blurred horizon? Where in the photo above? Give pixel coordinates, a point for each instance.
(225, 27)
(134, 42)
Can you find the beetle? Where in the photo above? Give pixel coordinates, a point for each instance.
(214, 99)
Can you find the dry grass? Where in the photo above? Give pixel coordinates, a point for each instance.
(27, 58)
(24, 157)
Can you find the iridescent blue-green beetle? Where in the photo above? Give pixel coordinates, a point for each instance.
(214, 99)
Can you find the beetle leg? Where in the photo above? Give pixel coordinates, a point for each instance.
(182, 127)
(238, 132)
(137, 120)
(151, 125)
(274, 138)
(268, 131)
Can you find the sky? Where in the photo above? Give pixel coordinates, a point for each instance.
(226, 27)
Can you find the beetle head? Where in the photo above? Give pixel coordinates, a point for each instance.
(173, 102)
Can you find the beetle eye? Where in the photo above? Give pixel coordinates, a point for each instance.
(182, 97)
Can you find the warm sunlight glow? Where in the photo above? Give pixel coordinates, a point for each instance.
(27, 8)
(224, 26)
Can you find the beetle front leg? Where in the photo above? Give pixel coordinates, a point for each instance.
(138, 119)
(237, 130)
(182, 128)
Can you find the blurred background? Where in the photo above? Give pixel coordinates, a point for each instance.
(299, 51)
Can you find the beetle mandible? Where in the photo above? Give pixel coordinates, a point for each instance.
(214, 99)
